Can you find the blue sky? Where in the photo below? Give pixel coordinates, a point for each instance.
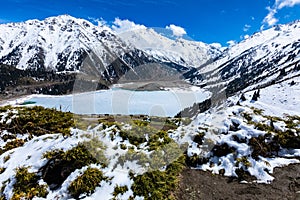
(204, 20)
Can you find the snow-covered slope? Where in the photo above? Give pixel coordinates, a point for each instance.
(265, 57)
(65, 43)
(57, 43)
(184, 52)
(246, 140)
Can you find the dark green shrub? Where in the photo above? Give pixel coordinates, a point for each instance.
(132, 155)
(199, 137)
(224, 149)
(158, 140)
(120, 190)
(158, 184)
(257, 111)
(6, 158)
(140, 122)
(123, 146)
(87, 182)
(195, 160)
(260, 146)
(6, 137)
(11, 145)
(4, 184)
(244, 161)
(61, 164)
(39, 121)
(26, 185)
(137, 134)
(287, 139)
(247, 116)
(109, 121)
(244, 175)
(96, 149)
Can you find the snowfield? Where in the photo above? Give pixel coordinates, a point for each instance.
(280, 100)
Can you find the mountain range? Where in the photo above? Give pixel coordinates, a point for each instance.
(66, 45)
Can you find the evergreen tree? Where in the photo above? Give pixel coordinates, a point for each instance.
(254, 97)
(243, 98)
(282, 73)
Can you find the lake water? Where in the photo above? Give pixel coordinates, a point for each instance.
(120, 101)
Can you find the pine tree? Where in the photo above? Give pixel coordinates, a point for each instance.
(258, 93)
(254, 97)
(282, 73)
(243, 98)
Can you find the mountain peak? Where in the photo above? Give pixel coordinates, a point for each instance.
(56, 43)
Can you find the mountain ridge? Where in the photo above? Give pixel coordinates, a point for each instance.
(65, 43)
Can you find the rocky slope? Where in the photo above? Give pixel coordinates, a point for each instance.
(263, 59)
(180, 51)
(68, 44)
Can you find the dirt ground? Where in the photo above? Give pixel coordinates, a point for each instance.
(198, 185)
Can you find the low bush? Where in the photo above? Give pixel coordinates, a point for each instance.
(86, 183)
(158, 140)
(61, 164)
(11, 145)
(120, 190)
(158, 184)
(38, 121)
(137, 134)
(199, 138)
(27, 186)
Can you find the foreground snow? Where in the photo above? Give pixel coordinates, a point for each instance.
(277, 101)
(230, 129)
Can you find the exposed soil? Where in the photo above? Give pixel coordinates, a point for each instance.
(196, 184)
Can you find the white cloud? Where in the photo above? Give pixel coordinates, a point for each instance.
(246, 27)
(286, 3)
(125, 25)
(271, 19)
(231, 43)
(216, 45)
(177, 30)
(246, 37)
(99, 21)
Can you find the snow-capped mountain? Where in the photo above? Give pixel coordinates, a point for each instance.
(181, 51)
(65, 43)
(264, 58)
(57, 43)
